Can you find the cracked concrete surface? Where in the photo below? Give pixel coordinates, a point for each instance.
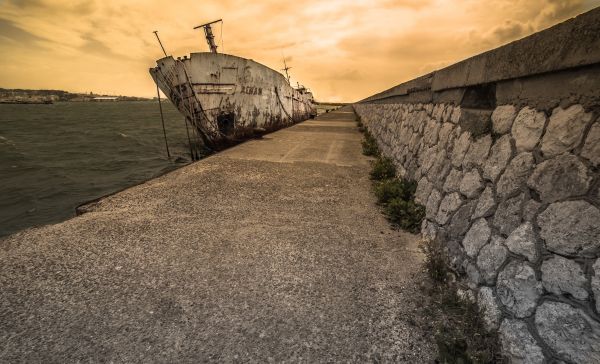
(273, 250)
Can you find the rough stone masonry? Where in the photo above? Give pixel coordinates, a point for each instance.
(505, 147)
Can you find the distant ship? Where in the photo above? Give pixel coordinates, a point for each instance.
(226, 98)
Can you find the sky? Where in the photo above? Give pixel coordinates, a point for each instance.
(343, 50)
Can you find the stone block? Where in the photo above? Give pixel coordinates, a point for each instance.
(490, 259)
(499, 156)
(444, 135)
(518, 289)
(485, 205)
(452, 183)
(561, 275)
(478, 152)
(448, 206)
(473, 275)
(460, 222)
(453, 139)
(527, 128)
(515, 175)
(508, 214)
(476, 237)
(430, 134)
(456, 114)
(530, 209)
(429, 230)
(433, 203)
(461, 145)
(437, 112)
(427, 159)
(559, 178)
(429, 109)
(565, 130)
(423, 191)
(415, 142)
(571, 228)
(440, 168)
(569, 331)
(518, 343)
(591, 148)
(491, 313)
(502, 118)
(447, 113)
(467, 295)
(471, 184)
(523, 241)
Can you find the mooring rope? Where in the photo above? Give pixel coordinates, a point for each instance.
(281, 103)
(162, 118)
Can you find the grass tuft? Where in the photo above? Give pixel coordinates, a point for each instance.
(436, 262)
(383, 169)
(408, 215)
(392, 188)
(369, 145)
(396, 195)
(460, 332)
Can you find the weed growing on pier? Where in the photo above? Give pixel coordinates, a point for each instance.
(369, 145)
(383, 169)
(360, 125)
(406, 214)
(461, 335)
(435, 260)
(396, 195)
(394, 188)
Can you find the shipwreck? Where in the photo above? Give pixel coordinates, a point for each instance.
(226, 99)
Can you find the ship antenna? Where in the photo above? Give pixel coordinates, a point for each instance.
(286, 69)
(159, 42)
(210, 38)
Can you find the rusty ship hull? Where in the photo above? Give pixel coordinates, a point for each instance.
(228, 99)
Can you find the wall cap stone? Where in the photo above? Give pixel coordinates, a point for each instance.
(573, 43)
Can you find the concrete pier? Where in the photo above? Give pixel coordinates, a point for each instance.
(273, 250)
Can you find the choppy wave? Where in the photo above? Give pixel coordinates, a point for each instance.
(6, 141)
(69, 153)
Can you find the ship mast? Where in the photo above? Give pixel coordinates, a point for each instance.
(286, 68)
(210, 38)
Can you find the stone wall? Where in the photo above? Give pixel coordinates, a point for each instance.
(508, 170)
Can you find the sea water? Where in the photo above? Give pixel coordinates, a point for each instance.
(55, 157)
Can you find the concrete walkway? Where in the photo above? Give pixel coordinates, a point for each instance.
(270, 251)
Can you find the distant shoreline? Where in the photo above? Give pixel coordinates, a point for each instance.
(26, 96)
(24, 102)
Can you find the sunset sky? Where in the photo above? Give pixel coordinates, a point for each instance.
(343, 50)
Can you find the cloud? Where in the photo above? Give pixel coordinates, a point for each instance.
(412, 4)
(26, 3)
(20, 37)
(511, 30)
(77, 7)
(558, 10)
(91, 45)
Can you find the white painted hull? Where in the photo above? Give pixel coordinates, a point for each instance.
(228, 98)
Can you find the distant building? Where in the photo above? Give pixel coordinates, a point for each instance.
(105, 98)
